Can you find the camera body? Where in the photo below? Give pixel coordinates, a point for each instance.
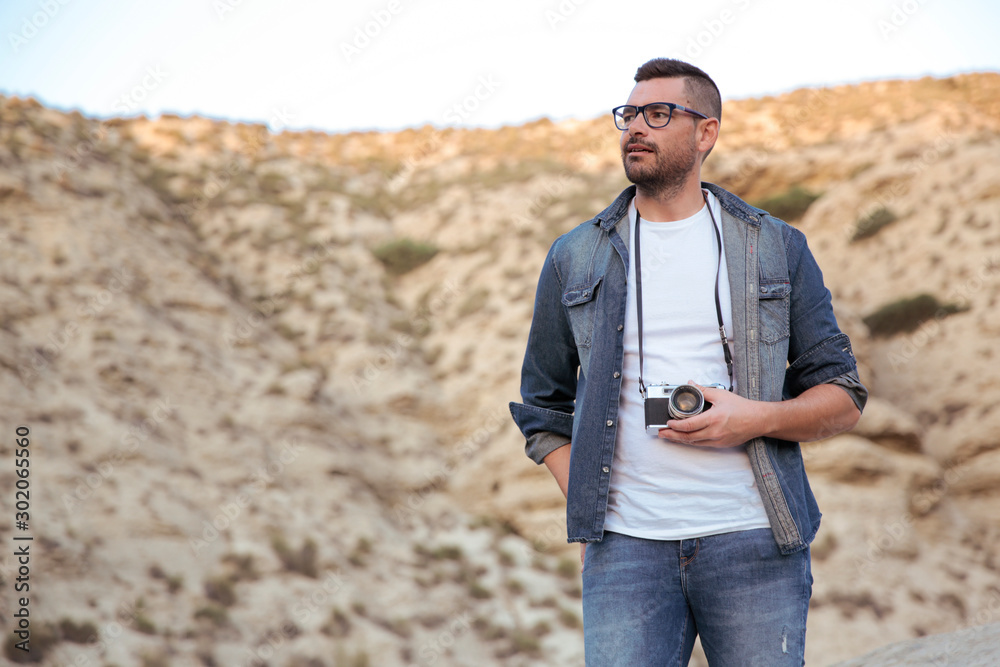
(663, 401)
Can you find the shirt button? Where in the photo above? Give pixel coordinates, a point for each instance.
(606, 469)
(763, 290)
(610, 423)
(617, 375)
(621, 326)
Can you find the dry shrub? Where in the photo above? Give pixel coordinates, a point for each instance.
(790, 205)
(904, 315)
(872, 223)
(404, 255)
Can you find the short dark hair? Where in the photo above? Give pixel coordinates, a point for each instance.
(699, 86)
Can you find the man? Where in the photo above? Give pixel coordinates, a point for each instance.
(701, 527)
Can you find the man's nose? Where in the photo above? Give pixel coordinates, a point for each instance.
(638, 126)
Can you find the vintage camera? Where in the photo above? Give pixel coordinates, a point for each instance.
(663, 401)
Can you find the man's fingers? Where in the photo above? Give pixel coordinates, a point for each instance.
(677, 436)
(690, 424)
(583, 550)
(697, 440)
(708, 392)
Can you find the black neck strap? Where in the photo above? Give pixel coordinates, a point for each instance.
(718, 304)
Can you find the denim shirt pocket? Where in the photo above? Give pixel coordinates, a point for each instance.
(581, 308)
(775, 299)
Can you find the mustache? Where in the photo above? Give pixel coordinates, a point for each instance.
(637, 142)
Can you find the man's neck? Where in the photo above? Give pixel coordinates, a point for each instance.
(677, 205)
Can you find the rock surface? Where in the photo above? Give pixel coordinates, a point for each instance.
(969, 647)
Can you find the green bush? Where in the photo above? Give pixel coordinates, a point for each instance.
(220, 590)
(42, 640)
(241, 567)
(217, 615)
(872, 223)
(791, 205)
(569, 618)
(78, 633)
(404, 255)
(272, 183)
(443, 552)
(522, 641)
(359, 557)
(568, 568)
(908, 314)
(359, 659)
(478, 591)
(339, 624)
(302, 560)
(144, 625)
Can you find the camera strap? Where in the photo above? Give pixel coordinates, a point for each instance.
(718, 304)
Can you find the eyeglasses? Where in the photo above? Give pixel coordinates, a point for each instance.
(656, 115)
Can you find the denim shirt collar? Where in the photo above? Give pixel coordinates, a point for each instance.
(735, 206)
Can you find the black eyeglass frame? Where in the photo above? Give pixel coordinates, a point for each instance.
(617, 113)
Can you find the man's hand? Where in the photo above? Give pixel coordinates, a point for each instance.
(731, 421)
(822, 411)
(557, 462)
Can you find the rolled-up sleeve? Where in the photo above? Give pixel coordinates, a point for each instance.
(851, 383)
(549, 371)
(544, 430)
(818, 352)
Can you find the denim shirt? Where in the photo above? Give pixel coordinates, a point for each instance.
(785, 335)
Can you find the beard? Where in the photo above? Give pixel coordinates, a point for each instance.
(663, 176)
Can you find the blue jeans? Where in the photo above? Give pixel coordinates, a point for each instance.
(644, 601)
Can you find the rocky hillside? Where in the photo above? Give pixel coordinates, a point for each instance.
(970, 647)
(266, 376)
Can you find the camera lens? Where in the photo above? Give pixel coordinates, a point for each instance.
(686, 401)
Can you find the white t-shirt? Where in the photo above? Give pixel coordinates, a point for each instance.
(660, 489)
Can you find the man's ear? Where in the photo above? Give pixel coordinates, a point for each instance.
(706, 134)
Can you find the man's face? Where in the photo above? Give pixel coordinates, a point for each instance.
(660, 160)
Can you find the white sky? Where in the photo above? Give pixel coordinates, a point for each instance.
(291, 62)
